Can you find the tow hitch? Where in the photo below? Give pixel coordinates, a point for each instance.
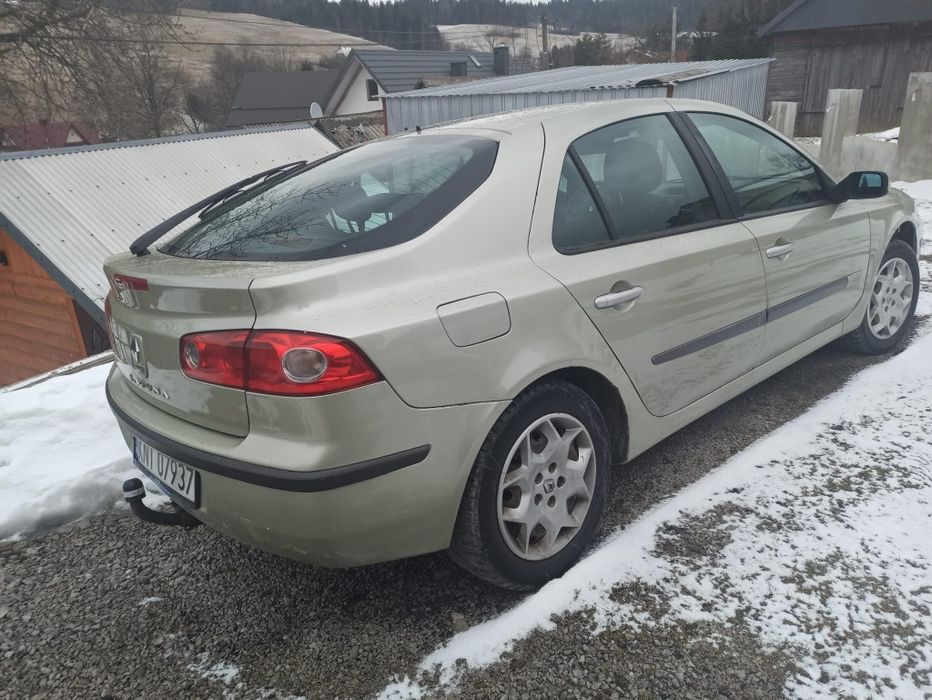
(134, 491)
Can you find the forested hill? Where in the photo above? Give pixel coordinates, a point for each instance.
(410, 23)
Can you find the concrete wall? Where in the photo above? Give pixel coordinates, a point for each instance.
(842, 150)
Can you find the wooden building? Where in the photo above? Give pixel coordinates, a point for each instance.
(41, 327)
(871, 45)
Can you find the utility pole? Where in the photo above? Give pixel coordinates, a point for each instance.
(673, 38)
(545, 39)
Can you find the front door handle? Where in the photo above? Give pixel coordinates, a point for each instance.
(779, 250)
(607, 301)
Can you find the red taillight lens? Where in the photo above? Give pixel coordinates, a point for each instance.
(135, 283)
(216, 358)
(287, 363)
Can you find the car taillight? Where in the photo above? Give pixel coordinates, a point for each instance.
(288, 363)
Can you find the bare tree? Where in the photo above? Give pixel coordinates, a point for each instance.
(104, 62)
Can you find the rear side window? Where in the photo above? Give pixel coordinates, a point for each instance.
(765, 173)
(378, 195)
(577, 223)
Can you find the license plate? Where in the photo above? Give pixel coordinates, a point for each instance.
(177, 477)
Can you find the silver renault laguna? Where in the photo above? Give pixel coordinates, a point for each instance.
(444, 340)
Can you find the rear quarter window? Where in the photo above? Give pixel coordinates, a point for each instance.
(375, 196)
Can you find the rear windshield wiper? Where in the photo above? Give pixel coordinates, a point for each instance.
(141, 245)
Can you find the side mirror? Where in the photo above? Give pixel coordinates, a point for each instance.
(863, 184)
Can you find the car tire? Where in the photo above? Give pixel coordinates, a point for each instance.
(526, 444)
(869, 338)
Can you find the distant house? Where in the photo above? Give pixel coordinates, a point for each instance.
(46, 134)
(872, 45)
(369, 73)
(62, 212)
(274, 98)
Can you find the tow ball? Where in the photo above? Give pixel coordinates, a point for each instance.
(134, 491)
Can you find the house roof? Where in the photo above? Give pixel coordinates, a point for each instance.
(395, 71)
(811, 15)
(71, 208)
(44, 134)
(589, 78)
(347, 130)
(265, 98)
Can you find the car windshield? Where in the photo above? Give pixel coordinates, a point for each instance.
(378, 195)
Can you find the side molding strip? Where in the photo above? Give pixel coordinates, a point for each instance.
(752, 322)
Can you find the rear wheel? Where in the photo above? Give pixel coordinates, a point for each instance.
(537, 489)
(892, 304)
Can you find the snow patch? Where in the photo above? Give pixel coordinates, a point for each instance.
(150, 600)
(61, 453)
(888, 135)
(222, 671)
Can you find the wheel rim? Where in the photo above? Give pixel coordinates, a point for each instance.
(891, 299)
(546, 486)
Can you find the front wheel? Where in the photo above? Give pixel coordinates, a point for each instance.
(892, 304)
(537, 489)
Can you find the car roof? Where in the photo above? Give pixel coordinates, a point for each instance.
(567, 116)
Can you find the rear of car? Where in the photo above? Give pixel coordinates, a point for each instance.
(240, 384)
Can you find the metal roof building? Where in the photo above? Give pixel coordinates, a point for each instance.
(71, 208)
(739, 83)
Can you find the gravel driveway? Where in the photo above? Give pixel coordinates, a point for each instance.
(112, 607)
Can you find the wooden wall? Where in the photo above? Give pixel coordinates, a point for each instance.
(875, 59)
(39, 328)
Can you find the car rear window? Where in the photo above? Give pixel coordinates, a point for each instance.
(375, 196)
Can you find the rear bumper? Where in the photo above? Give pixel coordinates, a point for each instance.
(377, 504)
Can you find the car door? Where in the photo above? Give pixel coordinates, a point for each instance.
(628, 223)
(815, 252)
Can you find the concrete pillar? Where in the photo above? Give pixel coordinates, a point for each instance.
(841, 120)
(914, 150)
(783, 117)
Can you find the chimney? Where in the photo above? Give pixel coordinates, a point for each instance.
(500, 60)
(458, 69)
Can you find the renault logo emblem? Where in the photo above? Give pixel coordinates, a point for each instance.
(137, 356)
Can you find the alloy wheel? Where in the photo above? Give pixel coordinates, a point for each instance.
(546, 486)
(891, 299)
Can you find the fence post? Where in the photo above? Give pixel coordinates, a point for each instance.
(841, 120)
(914, 149)
(783, 118)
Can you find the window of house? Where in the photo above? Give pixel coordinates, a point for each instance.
(765, 173)
(372, 90)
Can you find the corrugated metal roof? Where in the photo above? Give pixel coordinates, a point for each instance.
(401, 70)
(264, 98)
(806, 15)
(72, 208)
(588, 78)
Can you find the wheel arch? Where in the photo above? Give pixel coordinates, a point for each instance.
(907, 232)
(607, 398)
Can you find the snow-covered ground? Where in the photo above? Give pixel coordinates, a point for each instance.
(61, 452)
(826, 552)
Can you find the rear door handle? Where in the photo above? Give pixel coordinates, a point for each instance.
(778, 251)
(607, 301)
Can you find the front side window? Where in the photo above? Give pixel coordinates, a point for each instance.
(372, 90)
(765, 173)
(647, 180)
(378, 195)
